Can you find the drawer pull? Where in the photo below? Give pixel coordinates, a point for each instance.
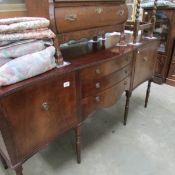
(126, 72)
(127, 59)
(45, 106)
(99, 10)
(98, 71)
(71, 17)
(125, 82)
(98, 99)
(98, 85)
(121, 12)
(145, 59)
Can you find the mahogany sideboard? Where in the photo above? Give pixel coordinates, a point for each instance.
(35, 112)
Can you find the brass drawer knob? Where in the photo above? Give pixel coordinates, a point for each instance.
(71, 17)
(98, 71)
(98, 85)
(145, 59)
(125, 83)
(99, 10)
(127, 59)
(98, 99)
(45, 106)
(126, 71)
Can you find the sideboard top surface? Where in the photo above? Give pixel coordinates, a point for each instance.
(77, 62)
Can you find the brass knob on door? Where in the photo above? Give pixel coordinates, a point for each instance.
(98, 71)
(98, 85)
(45, 106)
(98, 99)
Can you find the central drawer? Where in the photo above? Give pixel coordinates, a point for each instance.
(105, 98)
(76, 18)
(91, 87)
(104, 69)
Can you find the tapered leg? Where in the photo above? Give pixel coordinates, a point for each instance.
(128, 96)
(78, 143)
(19, 170)
(148, 93)
(3, 162)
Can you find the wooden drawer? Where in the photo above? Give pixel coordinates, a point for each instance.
(76, 18)
(104, 69)
(38, 114)
(104, 99)
(145, 63)
(91, 87)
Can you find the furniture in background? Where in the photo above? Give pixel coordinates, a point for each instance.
(35, 112)
(164, 30)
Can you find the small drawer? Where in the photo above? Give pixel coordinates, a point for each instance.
(75, 18)
(104, 99)
(91, 87)
(106, 68)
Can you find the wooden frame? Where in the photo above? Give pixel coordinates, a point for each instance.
(137, 25)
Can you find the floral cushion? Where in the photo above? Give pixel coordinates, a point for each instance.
(27, 66)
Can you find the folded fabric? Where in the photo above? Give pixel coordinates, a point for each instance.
(20, 49)
(160, 3)
(4, 61)
(27, 66)
(21, 24)
(41, 34)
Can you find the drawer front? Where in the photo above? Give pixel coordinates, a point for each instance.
(91, 87)
(104, 99)
(145, 63)
(70, 19)
(105, 69)
(38, 114)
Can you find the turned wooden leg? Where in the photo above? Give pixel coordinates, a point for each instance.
(148, 93)
(19, 170)
(128, 96)
(78, 143)
(3, 162)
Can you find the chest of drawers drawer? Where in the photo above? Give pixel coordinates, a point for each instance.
(39, 113)
(77, 18)
(91, 87)
(105, 69)
(105, 98)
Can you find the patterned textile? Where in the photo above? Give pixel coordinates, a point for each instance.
(27, 66)
(20, 49)
(11, 25)
(150, 3)
(4, 61)
(47, 33)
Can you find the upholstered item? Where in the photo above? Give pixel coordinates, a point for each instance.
(11, 25)
(20, 48)
(27, 66)
(47, 33)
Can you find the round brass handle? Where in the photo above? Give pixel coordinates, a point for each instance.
(127, 59)
(98, 71)
(98, 85)
(145, 59)
(45, 106)
(98, 99)
(126, 71)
